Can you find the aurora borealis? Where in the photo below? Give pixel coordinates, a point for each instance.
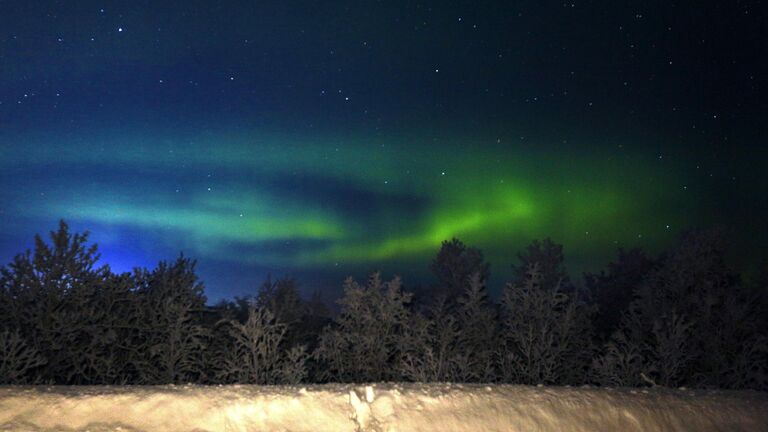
(326, 140)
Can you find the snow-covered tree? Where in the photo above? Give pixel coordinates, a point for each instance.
(621, 364)
(17, 359)
(430, 346)
(546, 333)
(171, 340)
(362, 344)
(692, 321)
(105, 316)
(477, 324)
(257, 354)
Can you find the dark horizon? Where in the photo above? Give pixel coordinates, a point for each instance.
(329, 285)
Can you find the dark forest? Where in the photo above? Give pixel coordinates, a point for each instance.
(682, 318)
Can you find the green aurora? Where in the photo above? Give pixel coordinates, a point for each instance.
(321, 140)
(354, 200)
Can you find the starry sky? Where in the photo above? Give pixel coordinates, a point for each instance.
(325, 139)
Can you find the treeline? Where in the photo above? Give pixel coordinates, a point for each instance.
(682, 318)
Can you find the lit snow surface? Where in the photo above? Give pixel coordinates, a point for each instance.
(378, 407)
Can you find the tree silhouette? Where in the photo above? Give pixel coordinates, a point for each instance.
(612, 290)
(548, 257)
(683, 319)
(282, 298)
(44, 299)
(693, 322)
(454, 264)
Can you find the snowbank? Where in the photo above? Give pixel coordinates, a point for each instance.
(379, 407)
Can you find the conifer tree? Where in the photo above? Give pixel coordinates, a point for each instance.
(612, 290)
(692, 322)
(548, 257)
(282, 298)
(454, 264)
(171, 338)
(44, 301)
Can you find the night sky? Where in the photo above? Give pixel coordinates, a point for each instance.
(322, 139)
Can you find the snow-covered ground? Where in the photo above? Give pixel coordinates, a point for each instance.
(378, 407)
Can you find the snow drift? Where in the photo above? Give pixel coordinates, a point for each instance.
(378, 407)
